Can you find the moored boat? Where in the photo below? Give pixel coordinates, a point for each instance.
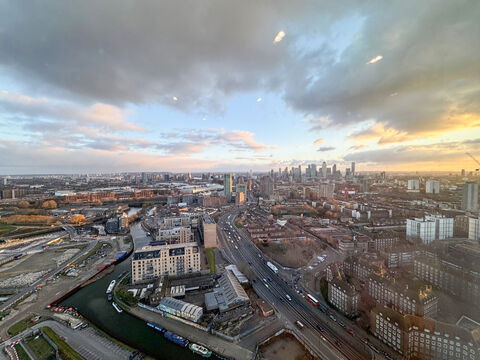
(111, 286)
(118, 308)
(177, 339)
(200, 350)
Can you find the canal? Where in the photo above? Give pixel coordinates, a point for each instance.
(91, 301)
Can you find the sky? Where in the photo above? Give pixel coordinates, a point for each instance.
(123, 85)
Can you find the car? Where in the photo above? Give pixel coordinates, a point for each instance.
(264, 280)
(341, 324)
(288, 297)
(266, 285)
(364, 340)
(281, 298)
(319, 327)
(270, 279)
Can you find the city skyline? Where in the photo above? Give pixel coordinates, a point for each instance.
(231, 87)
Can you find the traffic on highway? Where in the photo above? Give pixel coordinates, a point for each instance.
(315, 323)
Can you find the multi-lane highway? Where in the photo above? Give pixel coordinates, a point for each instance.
(321, 333)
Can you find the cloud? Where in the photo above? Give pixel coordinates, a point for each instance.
(326, 148)
(117, 53)
(432, 70)
(436, 156)
(236, 139)
(375, 59)
(280, 35)
(98, 115)
(318, 142)
(357, 147)
(20, 158)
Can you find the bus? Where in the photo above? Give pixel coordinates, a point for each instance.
(273, 267)
(312, 300)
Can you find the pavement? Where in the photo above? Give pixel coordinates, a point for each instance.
(87, 342)
(215, 343)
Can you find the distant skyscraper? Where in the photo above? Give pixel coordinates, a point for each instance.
(324, 169)
(463, 172)
(227, 186)
(353, 168)
(470, 196)
(334, 169)
(313, 170)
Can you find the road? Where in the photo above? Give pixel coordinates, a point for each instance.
(323, 335)
(49, 275)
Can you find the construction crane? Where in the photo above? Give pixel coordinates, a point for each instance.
(478, 162)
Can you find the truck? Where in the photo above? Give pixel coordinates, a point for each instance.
(273, 267)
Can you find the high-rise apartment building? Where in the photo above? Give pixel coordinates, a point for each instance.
(326, 190)
(432, 187)
(470, 196)
(430, 228)
(474, 229)
(227, 186)
(153, 261)
(266, 187)
(353, 168)
(413, 185)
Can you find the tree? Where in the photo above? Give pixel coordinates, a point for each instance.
(77, 219)
(49, 204)
(23, 204)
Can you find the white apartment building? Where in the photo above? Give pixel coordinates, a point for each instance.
(414, 185)
(473, 229)
(443, 227)
(153, 261)
(421, 229)
(432, 187)
(430, 228)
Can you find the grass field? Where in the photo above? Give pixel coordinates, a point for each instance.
(20, 326)
(5, 229)
(22, 355)
(210, 259)
(65, 350)
(40, 348)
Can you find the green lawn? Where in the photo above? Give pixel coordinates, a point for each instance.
(40, 348)
(22, 355)
(5, 228)
(210, 259)
(65, 350)
(20, 326)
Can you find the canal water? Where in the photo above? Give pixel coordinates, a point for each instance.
(91, 301)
